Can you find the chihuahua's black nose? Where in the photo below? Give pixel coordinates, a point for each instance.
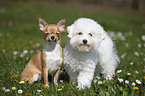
(52, 37)
(85, 41)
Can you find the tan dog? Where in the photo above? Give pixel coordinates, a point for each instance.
(50, 58)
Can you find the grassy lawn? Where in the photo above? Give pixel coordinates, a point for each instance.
(20, 39)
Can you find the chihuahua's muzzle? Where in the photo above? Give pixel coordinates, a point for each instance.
(53, 39)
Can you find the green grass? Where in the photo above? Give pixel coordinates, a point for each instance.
(19, 31)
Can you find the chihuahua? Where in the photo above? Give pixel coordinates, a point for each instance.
(50, 58)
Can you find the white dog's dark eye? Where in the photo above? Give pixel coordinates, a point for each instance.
(90, 34)
(80, 33)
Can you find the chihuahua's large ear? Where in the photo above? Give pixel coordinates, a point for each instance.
(61, 24)
(42, 24)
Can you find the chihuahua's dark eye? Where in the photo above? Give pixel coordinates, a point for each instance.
(47, 33)
(80, 33)
(57, 33)
(90, 34)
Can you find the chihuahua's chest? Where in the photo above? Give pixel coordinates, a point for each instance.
(53, 57)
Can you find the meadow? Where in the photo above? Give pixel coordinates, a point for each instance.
(20, 39)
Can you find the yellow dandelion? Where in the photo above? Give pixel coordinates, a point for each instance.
(46, 86)
(61, 81)
(14, 76)
(29, 94)
(144, 77)
(135, 88)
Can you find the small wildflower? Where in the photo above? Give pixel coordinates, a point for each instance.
(100, 82)
(46, 86)
(131, 63)
(136, 72)
(139, 45)
(3, 88)
(135, 88)
(97, 77)
(21, 82)
(29, 94)
(138, 82)
(119, 71)
(15, 53)
(59, 89)
(133, 84)
(126, 81)
(20, 91)
(136, 53)
(14, 76)
(13, 88)
(104, 81)
(31, 51)
(143, 37)
(7, 90)
(38, 90)
(62, 86)
(95, 81)
(25, 51)
(123, 55)
(120, 80)
(128, 74)
(61, 81)
(127, 45)
(77, 87)
(144, 77)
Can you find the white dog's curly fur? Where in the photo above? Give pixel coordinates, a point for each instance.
(89, 45)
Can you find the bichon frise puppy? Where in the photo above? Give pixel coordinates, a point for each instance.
(89, 45)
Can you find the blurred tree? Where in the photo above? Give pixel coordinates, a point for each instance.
(135, 4)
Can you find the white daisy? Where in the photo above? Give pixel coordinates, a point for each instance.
(100, 82)
(59, 89)
(133, 84)
(13, 88)
(138, 82)
(128, 74)
(21, 82)
(126, 81)
(38, 90)
(7, 90)
(119, 71)
(20, 91)
(3, 88)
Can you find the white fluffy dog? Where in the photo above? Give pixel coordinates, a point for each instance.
(89, 45)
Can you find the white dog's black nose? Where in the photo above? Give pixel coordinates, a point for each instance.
(85, 41)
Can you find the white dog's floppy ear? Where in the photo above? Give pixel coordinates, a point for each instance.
(61, 24)
(42, 24)
(69, 29)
